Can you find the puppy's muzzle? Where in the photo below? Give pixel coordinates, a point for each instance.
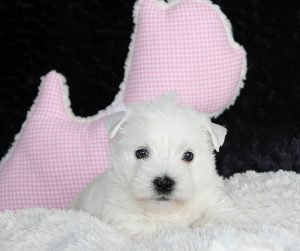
(163, 185)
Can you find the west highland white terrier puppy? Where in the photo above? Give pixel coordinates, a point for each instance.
(162, 172)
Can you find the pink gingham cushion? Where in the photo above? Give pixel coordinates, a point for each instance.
(54, 155)
(185, 47)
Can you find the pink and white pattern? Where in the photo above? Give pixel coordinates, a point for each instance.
(55, 155)
(184, 47)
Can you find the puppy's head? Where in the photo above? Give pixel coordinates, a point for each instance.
(162, 152)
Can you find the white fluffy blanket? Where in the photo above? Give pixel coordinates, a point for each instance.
(272, 199)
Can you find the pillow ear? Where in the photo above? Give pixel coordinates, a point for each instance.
(217, 134)
(115, 122)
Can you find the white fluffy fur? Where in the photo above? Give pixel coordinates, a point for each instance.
(276, 211)
(124, 196)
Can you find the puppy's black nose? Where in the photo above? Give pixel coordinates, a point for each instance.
(163, 185)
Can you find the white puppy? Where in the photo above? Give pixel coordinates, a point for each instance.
(162, 172)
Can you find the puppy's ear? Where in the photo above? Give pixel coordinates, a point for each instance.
(115, 122)
(217, 134)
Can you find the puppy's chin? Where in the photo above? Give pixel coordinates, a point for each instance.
(161, 203)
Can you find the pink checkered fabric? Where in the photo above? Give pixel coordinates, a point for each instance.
(55, 156)
(183, 48)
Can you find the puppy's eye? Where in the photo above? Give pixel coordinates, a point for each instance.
(188, 156)
(142, 153)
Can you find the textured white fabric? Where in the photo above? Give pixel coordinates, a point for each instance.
(272, 199)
